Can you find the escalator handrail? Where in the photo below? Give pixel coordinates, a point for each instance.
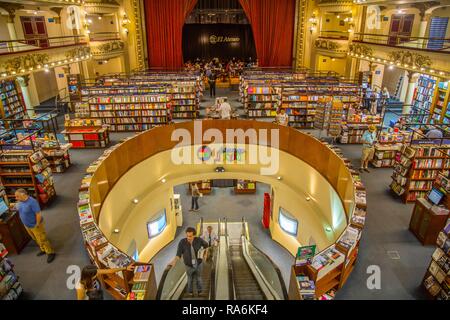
(214, 273)
(231, 285)
(164, 277)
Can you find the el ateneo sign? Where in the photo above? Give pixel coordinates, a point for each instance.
(213, 39)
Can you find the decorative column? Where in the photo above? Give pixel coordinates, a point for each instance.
(301, 37)
(23, 82)
(425, 18)
(412, 80)
(11, 29)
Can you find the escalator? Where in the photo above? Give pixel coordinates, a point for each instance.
(253, 275)
(245, 284)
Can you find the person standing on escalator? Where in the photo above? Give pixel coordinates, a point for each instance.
(192, 250)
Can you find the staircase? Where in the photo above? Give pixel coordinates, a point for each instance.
(245, 284)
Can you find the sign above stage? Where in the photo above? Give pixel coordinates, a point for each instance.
(221, 39)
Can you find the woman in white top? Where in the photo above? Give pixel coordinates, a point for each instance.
(282, 118)
(225, 110)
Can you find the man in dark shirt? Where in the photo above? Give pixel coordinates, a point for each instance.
(212, 84)
(189, 248)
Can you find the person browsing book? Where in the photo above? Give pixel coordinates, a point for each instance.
(89, 287)
(368, 151)
(191, 249)
(31, 217)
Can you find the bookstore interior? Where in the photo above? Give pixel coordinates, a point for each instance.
(313, 166)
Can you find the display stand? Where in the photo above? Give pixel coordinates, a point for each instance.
(12, 232)
(387, 146)
(86, 133)
(436, 281)
(428, 219)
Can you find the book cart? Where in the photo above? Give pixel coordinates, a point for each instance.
(124, 285)
(23, 165)
(320, 277)
(418, 164)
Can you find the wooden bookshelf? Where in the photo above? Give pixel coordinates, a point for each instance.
(416, 167)
(29, 170)
(245, 187)
(203, 186)
(423, 97)
(12, 106)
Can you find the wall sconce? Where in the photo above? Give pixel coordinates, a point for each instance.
(125, 23)
(313, 21)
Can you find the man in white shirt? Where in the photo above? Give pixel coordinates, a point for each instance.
(212, 239)
(225, 110)
(210, 236)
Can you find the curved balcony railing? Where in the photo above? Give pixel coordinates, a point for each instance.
(40, 43)
(339, 35)
(104, 36)
(429, 44)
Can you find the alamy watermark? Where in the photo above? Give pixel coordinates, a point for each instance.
(212, 147)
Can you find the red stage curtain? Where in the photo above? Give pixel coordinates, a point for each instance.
(273, 29)
(165, 20)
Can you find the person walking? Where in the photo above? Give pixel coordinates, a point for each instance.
(212, 84)
(89, 287)
(195, 193)
(368, 150)
(30, 214)
(191, 250)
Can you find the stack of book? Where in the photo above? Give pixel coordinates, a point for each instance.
(306, 288)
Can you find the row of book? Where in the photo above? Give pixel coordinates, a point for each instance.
(329, 269)
(101, 251)
(10, 287)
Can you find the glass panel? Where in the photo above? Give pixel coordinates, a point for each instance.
(172, 279)
(267, 269)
